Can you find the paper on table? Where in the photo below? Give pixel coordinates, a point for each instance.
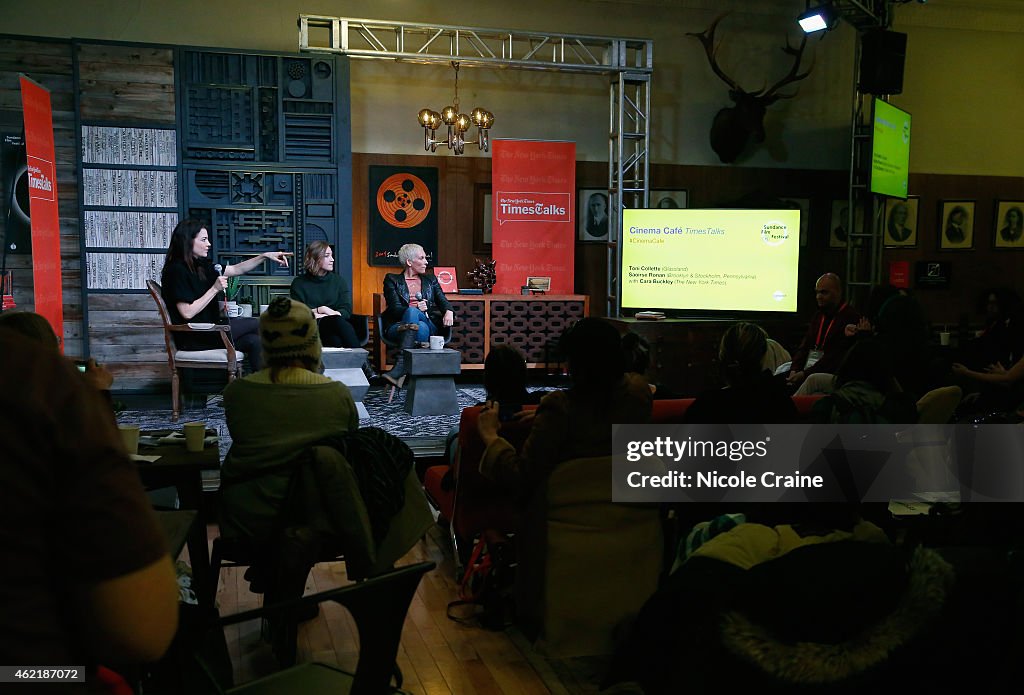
(179, 438)
(144, 459)
(908, 507)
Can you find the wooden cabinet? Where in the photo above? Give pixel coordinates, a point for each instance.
(531, 323)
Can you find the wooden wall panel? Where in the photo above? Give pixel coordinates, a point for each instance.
(121, 86)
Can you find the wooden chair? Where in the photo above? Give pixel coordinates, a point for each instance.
(219, 358)
(378, 607)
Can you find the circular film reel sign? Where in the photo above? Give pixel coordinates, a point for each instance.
(445, 277)
(403, 200)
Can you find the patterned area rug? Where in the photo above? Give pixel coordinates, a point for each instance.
(422, 433)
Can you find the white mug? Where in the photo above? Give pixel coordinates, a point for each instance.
(943, 338)
(436, 342)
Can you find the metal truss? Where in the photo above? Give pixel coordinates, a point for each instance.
(437, 43)
(628, 62)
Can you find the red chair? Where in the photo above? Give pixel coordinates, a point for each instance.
(475, 504)
(670, 411)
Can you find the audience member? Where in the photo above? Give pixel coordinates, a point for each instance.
(825, 342)
(328, 294)
(36, 327)
(1002, 339)
(505, 379)
(416, 306)
(574, 423)
(86, 576)
(637, 353)
(274, 416)
(866, 390)
(897, 320)
(505, 382)
(751, 393)
(190, 284)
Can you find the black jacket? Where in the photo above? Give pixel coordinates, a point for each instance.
(396, 295)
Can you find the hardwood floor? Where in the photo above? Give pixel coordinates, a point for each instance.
(437, 655)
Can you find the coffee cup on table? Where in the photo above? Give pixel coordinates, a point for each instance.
(436, 342)
(944, 338)
(195, 434)
(130, 437)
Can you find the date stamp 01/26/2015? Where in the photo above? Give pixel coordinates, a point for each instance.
(42, 674)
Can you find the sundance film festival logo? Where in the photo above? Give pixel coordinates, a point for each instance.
(41, 178)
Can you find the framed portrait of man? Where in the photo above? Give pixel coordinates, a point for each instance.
(900, 223)
(1008, 229)
(482, 203)
(838, 235)
(804, 206)
(956, 220)
(668, 199)
(592, 213)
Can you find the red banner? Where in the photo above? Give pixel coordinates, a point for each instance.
(533, 184)
(42, 194)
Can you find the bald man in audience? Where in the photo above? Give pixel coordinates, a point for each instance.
(825, 342)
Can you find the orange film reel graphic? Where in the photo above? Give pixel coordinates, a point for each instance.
(403, 200)
(445, 277)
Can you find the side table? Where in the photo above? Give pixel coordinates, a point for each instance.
(346, 365)
(431, 384)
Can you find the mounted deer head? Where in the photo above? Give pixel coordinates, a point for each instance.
(735, 126)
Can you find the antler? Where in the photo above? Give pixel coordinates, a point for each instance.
(707, 38)
(794, 74)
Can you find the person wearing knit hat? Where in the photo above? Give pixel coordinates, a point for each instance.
(288, 333)
(274, 416)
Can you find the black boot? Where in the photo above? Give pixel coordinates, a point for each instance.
(407, 333)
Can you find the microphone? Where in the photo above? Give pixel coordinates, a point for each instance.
(219, 268)
(419, 296)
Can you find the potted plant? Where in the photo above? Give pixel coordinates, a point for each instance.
(231, 295)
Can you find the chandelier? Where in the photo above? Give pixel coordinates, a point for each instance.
(458, 123)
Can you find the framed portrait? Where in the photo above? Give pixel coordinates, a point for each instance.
(900, 223)
(1008, 229)
(668, 199)
(482, 219)
(592, 215)
(804, 206)
(838, 235)
(956, 220)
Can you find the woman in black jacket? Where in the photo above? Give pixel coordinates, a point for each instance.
(416, 306)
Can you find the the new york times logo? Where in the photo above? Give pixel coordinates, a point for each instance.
(677, 450)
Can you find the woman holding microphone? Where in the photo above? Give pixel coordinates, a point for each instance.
(190, 284)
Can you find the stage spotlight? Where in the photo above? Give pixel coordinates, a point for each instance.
(818, 18)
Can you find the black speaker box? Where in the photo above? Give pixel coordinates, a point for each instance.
(17, 236)
(881, 62)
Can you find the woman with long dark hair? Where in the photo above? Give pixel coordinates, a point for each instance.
(190, 284)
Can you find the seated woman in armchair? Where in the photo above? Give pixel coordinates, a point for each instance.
(416, 306)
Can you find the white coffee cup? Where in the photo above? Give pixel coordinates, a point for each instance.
(944, 338)
(436, 342)
(130, 437)
(195, 434)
